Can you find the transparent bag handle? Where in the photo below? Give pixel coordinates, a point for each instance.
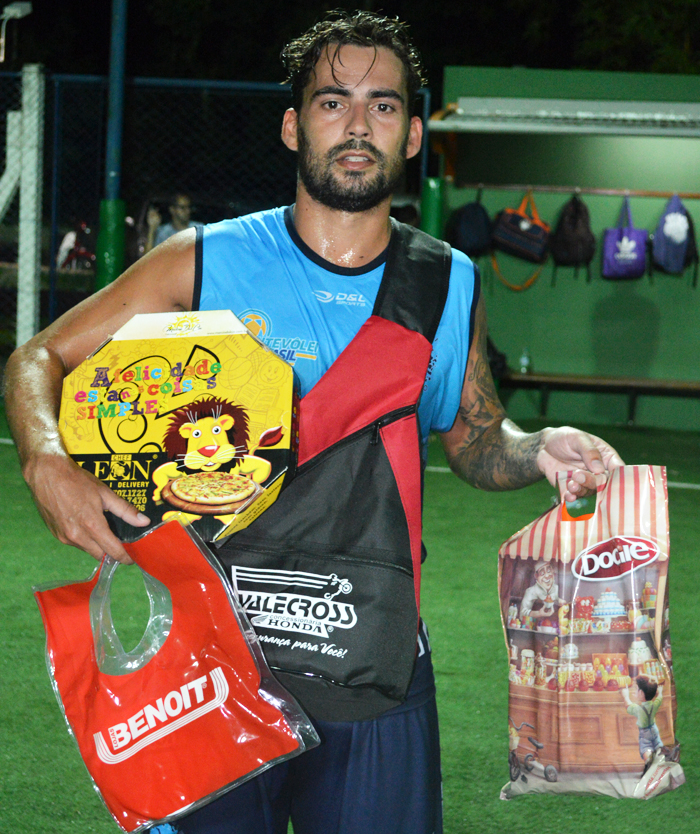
(110, 654)
(601, 481)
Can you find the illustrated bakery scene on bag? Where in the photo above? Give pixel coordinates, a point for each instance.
(581, 656)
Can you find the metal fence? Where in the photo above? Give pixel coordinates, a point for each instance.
(218, 142)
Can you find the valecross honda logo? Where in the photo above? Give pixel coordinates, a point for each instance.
(290, 609)
(613, 558)
(168, 714)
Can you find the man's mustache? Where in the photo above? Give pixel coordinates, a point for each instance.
(355, 145)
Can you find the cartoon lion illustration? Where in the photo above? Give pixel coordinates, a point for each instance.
(208, 435)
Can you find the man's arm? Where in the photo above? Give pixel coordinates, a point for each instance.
(71, 501)
(489, 451)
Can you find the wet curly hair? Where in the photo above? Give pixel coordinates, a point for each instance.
(341, 28)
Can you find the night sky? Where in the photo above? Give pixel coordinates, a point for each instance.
(233, 40)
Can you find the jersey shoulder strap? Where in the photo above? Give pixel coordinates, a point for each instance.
(416, 280)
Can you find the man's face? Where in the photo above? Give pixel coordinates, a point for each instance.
(353, 132)
(545, 578)
(181, 210)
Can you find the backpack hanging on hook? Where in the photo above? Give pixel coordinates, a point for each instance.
(673, 246)
(522, 235)
(573, 243)
(469, 229)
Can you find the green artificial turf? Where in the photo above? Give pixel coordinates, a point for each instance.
(44, 786)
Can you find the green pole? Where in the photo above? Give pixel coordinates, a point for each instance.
(111, 242)
(431, 206)
(111, 237)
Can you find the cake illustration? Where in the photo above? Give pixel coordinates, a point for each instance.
(648, 596)
(609, 605)
(638, 652)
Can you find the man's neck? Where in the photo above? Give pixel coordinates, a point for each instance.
(343, 238)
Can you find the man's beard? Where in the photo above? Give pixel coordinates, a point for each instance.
(350, 191)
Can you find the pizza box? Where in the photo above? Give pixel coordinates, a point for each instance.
(185, 415)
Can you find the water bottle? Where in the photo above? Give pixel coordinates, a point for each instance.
(525, 361)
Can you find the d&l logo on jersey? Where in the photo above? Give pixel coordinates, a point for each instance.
(352, 299)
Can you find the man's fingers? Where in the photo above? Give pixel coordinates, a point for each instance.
(75, 512)
(609, 456)
(124, 510)
(591, 456)
(91, 534)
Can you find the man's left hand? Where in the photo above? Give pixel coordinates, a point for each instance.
(571, 449)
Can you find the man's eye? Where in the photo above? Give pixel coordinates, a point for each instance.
(331, 105)
(383, 107)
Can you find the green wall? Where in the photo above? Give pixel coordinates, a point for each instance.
(641, 328)
(518, 82)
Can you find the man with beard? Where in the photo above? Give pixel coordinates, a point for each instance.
(317, 280)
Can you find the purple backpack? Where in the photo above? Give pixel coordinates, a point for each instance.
(624, 248)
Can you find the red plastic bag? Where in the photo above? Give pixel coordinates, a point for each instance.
(193, 710)
(585, 610)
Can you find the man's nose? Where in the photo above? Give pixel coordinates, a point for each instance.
(358, 123)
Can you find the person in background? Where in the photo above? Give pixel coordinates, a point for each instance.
(180, 209)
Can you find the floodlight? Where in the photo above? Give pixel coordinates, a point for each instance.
(17, 10)
(13, 11)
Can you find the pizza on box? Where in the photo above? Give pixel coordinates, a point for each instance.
(213, 468)
(210, 492)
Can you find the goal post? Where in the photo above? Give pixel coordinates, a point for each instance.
(28, 176)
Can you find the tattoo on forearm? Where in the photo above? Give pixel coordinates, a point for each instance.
(488, 450)
(501, 458)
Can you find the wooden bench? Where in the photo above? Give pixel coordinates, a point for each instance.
(632, 388)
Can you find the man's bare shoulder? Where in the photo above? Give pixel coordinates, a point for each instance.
(161, 281)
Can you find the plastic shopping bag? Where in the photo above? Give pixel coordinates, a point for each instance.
(585, 609)
(193, 710)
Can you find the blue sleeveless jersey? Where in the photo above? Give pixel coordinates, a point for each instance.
(308, 310)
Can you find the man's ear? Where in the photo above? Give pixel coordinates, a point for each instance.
(415, 137)
(290, 123)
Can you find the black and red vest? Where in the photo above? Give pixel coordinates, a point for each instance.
(330, 574)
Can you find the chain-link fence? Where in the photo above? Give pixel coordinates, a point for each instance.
(217, 142)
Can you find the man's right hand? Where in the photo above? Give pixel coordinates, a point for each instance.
(73, 502)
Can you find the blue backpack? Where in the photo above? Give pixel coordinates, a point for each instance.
(673, 246)
(469, 229)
